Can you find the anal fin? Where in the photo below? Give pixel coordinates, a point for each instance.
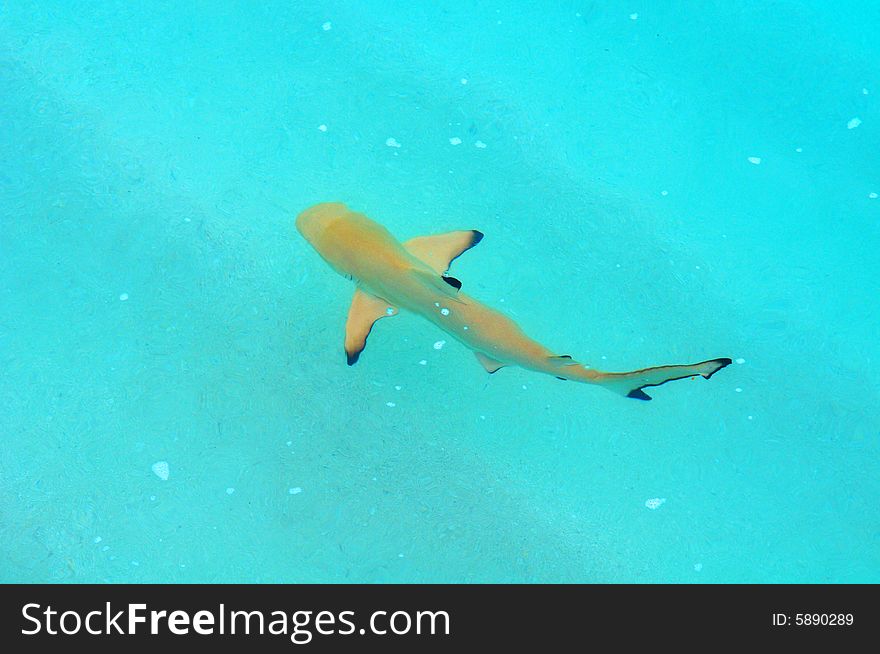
(491, 365)
(365, 310)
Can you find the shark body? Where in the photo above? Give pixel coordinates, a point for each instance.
(391, 276)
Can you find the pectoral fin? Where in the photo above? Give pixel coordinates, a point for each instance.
(365, 310)
(440, 250)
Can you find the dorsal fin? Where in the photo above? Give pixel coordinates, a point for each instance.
(562, 360)
(440, 250)
(365, 310)
(491, 365)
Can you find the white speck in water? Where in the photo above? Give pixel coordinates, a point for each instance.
(633, 16)
(698, 567)
(436, 304)
(423, 363)
(135, 563)
(98, 539)
(400, 556)
(123, 297)
(230, 490)
(439, 345)
(444, 311)
(480, 144)
(105, 548)
(390, 404)
(751, 417)
(654, 502)
(397, 388)
(465, 327)
(455, 141)
(464, 80)
(328, 26)
(738, 389)
(664, 193)
(289, 443)
(740, 361)
(391, 142)
(296, 490)
(864, 91)
(853, 123)
(798, 149)
(389, 311)
(161, 470)
(873, 196)
(323, 128)
(755, 160)
(152, 498)
(525, 388)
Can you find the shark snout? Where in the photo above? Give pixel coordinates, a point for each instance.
(311, 222)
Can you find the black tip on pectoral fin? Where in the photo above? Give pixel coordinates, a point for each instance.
(352, 357)
(478, 236)
(638, 394)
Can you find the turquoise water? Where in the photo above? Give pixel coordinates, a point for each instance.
(160, 314)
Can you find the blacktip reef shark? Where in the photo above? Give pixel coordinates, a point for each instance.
(412, 275)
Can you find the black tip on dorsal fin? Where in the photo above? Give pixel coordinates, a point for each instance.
(478, 236)
(638, 394)
(352, 357)
(452, 281)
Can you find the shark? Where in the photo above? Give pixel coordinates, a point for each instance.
(413, 275)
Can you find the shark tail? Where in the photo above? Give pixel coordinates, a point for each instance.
(631, 384)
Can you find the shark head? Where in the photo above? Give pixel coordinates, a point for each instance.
(313, 222)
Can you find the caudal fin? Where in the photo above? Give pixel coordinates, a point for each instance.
(630, 384)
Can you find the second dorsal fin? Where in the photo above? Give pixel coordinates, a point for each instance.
(365, 310)
(440, 250)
